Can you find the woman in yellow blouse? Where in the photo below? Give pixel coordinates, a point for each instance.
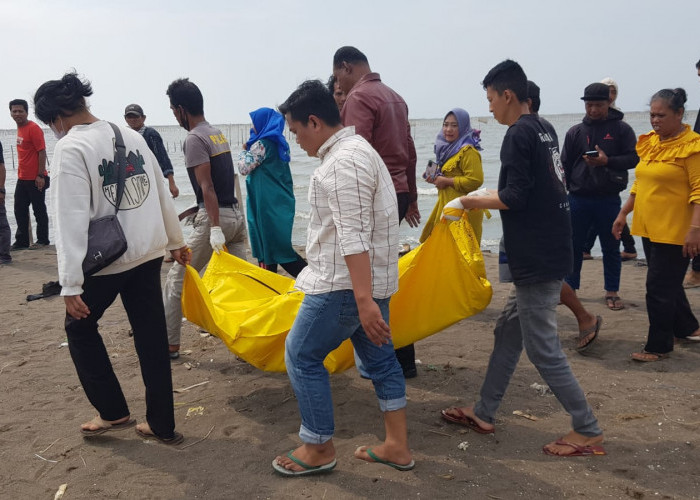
(459, 161)
(665, 198)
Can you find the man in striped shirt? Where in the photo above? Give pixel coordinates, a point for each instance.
(352, 273)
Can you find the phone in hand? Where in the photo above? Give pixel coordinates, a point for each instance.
(591, 154)
(431, 171)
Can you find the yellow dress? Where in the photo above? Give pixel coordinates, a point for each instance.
(666, 186)
(466, 170)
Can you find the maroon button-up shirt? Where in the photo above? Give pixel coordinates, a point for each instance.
(380, 115)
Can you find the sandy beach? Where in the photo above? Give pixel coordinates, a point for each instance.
(236, 419)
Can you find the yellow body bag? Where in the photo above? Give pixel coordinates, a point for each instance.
(251, 310)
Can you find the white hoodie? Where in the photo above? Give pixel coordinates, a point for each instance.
(84, 186)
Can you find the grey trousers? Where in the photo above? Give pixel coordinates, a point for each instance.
(529, 320)
(233, 226)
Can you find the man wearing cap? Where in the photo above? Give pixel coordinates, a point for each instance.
(218, 224)
(133, 114)
(596, 156)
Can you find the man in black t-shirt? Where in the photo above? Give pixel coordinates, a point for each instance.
(537, 234)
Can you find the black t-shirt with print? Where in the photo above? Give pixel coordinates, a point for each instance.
(537, 224)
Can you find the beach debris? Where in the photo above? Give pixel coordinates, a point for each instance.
(46, 459)
(63, 344)
(525, 415)
(183, 389)
(60, 492)
(49, 446)
(439, 433)
(199, 440)
(541, 389)
(447, 477)
(195, 410)
(463, 445)
(187, 365)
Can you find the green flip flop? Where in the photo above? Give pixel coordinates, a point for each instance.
(308, 469)
(410, 465)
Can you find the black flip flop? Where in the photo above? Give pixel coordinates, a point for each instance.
(585, 333)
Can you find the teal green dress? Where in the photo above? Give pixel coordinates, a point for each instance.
(270, 204)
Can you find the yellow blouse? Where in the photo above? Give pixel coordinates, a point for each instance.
(466, 170)
(667, 185)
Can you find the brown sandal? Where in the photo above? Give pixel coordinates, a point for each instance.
(648, 357)
(614, 303)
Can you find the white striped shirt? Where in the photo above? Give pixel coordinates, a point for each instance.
(353, 210)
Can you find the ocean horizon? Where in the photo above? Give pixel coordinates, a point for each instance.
(424, 132)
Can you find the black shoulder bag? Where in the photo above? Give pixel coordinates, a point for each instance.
(106, 240)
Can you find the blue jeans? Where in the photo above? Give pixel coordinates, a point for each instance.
(323, 322)
(529, 320)
(600, 213)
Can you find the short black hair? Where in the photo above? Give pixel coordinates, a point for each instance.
(331, 84)
(311, 98)
(62, 97)
(507, 75)
(675, 98)
(19, 102)
(533, 93)
(349, 55)
(182, 92)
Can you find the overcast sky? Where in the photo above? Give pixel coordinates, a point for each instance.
(244, 55)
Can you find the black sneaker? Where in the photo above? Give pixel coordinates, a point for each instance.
(16, 247)
(5, 261)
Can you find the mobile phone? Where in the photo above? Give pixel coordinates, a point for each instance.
(591, 154)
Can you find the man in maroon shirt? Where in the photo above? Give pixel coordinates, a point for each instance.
(380, 115)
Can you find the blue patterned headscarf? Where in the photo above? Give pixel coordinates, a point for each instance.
(467, 136)
(269, 124)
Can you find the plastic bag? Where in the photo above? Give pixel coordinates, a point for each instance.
(251, 310)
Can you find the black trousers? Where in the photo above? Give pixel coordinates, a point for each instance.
(696, 263)
(407, 354)
(140, 292)
(293, 268)
(27, 194)
(667, 305)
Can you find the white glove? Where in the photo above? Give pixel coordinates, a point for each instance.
(216, 239)
(449, 211)
(479, 192)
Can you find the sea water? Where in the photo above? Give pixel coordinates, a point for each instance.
(302, 166)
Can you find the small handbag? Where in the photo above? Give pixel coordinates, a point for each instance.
(106, 240)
